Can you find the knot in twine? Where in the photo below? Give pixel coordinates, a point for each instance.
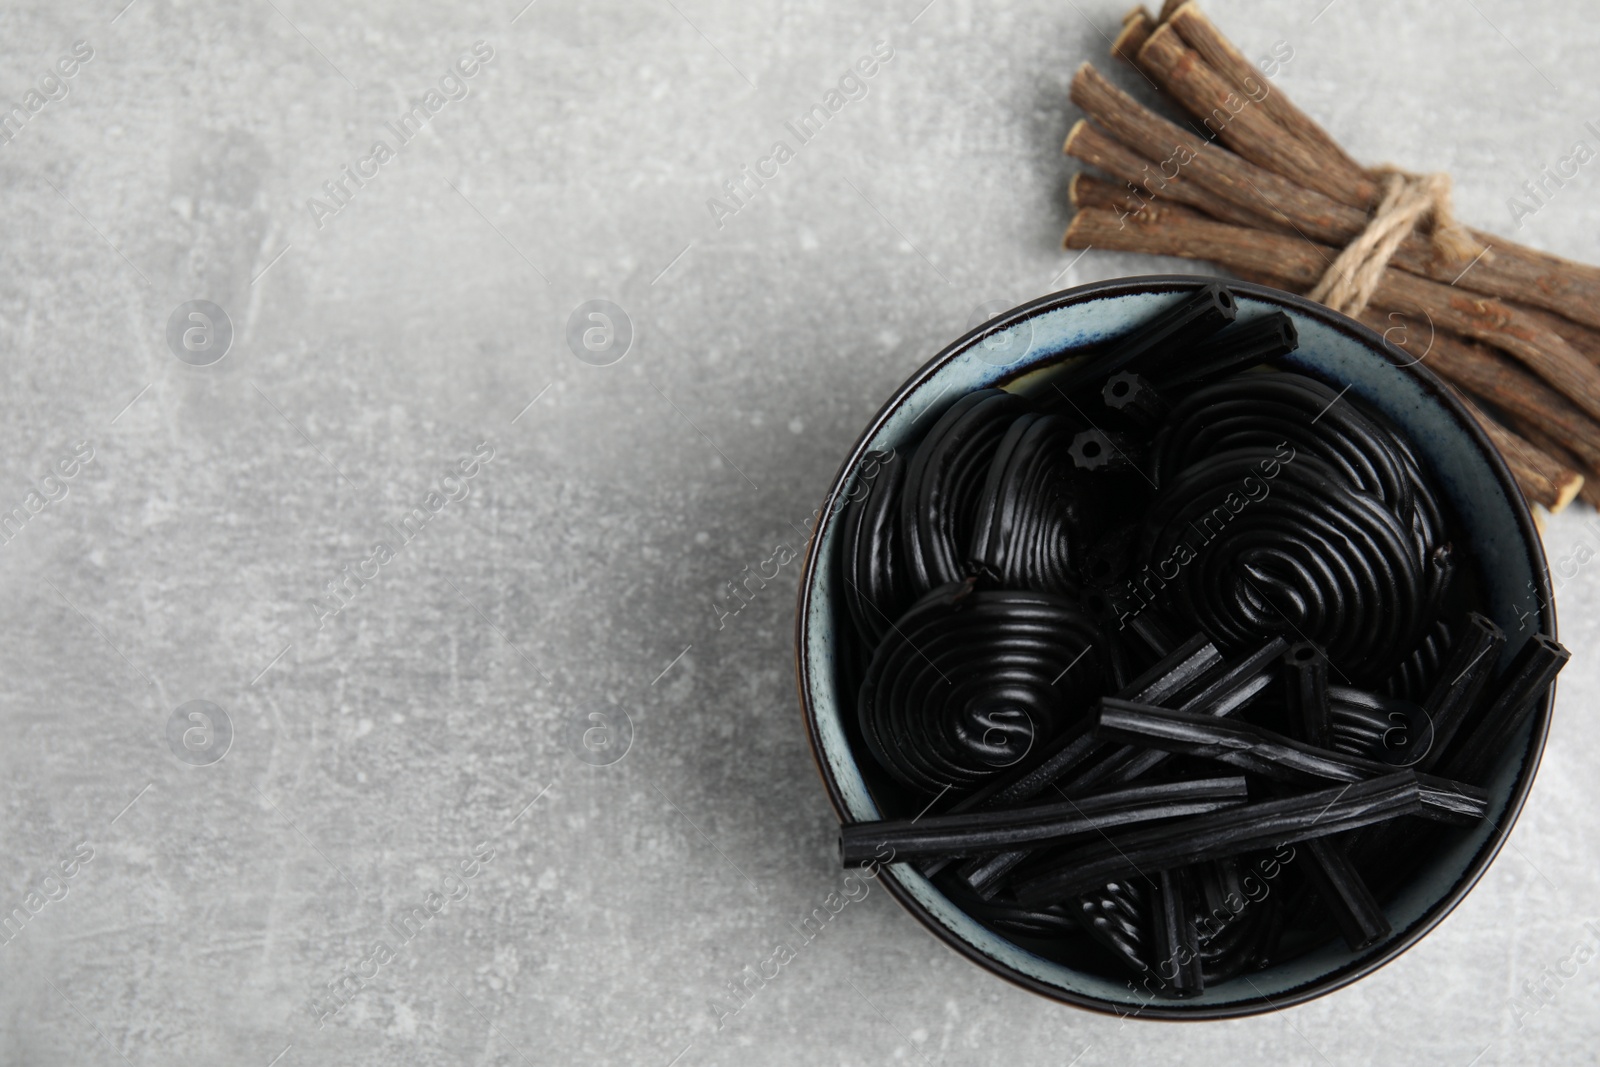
(1407, 200)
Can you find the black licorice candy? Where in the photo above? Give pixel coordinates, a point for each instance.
(1101, 452)
(1135, 400)
(1171, 679)
(985, 873)
(942, 483)
(1199, 838)
(1266, 508)
(1116, 916)
(1305, 675)
(1389, 729)
(872, 591)
(924, 709)
(970, 833)
(1512, 700)
(1355, 910)
(1033, 525)
(1177, 942)
(1240, 684)
(1157, 343)
(1270, 754)
(1184, 667)
(1466, 672)
(1238, 348)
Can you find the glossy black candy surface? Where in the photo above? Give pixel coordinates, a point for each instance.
(1149, 661)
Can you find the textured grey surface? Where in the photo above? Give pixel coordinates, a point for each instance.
(375, 749)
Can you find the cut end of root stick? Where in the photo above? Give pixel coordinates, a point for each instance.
(1136, 28)
(1072, 239)
(1072, 135)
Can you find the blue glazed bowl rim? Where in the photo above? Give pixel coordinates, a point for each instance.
(814, 568)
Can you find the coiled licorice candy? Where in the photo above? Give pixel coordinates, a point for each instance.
(984, 686)
(1297, 416)
(946, 476)
(869, 555)
(1415, 673)
(1310, 557)
(970, 680)
(1036, 516)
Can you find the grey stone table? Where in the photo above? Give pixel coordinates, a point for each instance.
(421, 526)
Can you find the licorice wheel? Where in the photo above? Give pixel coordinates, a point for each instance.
(1310, 556)
(1117, 915)
(938, 502)
(1036, 516)
(1266, 409)
(968, 681)
(869, 556)
(1416, 672)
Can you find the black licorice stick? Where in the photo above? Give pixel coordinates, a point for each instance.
(1199, 838)
(988, 831)
(1271, 754)
(1239, 347)
(1176, 943)
(985, 872)
(1354, 909)
(1135, 400)
(1230, 691)
(1465, 673)
(1473, 757)
(1515, 697)
(1305, 676)
(1162, 339)
(1173, 678)
(1107, 453)
(1186, 666)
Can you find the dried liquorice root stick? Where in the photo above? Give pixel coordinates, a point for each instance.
(990, 831)
(1265, 752)
(1172, 150)
(1219, 835)
(1221, 55)
(1240, 123)
(1533, 432)
(1088, 142)
(1244, 121)
(1176, 231)
(1325, 195)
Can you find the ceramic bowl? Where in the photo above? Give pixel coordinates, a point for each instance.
(1020, 350)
